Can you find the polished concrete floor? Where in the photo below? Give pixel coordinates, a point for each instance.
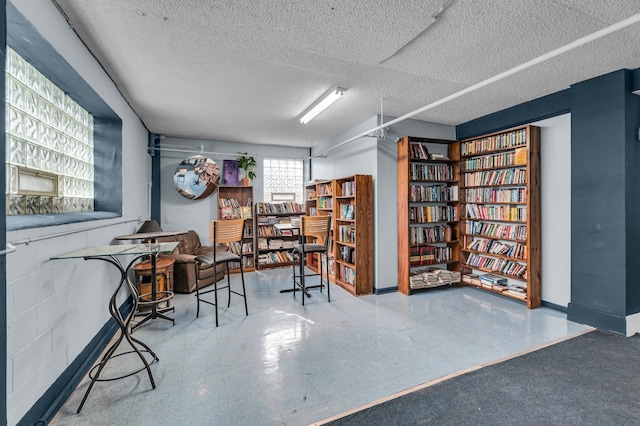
(288, 364)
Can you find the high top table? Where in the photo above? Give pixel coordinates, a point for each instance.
(154, 310)
(110, 254)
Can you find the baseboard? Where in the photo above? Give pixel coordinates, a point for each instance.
(43, 411)
(554, 306)
(633, 324)
(598, 319)
(385, 290)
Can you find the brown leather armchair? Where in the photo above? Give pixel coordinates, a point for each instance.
(189, 247)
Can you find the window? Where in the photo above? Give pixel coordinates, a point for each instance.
(283, 180)
(50, 145)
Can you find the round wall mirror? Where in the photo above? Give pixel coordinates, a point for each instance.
(196, 177)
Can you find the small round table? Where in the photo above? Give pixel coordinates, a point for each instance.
(164, 279)
(155, 298)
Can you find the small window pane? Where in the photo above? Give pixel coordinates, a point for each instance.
(283, 178)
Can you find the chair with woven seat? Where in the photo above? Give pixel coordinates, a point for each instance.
(226, 232)
(314, 236)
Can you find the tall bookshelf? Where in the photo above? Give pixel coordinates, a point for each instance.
(235, 202)
(352, 233)
(324, 189)
(500, 204)
(273, 242)
(428, 209)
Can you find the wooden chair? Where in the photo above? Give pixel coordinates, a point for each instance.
(311, 228)
(222, 232)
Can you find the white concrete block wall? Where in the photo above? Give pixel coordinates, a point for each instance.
(55, 308)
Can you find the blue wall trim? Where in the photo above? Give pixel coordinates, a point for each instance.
(538, 109)
(599, 319)
(385, 290)
(554, 306)
(43, 411)
(154, 142)
(3, 230)
(636, 80)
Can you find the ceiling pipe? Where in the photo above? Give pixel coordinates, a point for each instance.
(634, 19)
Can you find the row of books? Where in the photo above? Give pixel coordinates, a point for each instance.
(495, 195)
(348, 188)
(247, 262)
(430, 234)
(274, 243)
(274, 257)
(284, 207)
(433, 277)
(346, 274)
(496, 177)
(241, 212)
(347, 211)
(347, 254)
(418, 151)
(426, 214)
(233, 202)
(238, 248)
(489, 246)
(442, 172)
(324, 202)
(325, 189)
(505, 213)
(517, 157)
(310, 194)
(331, 267)
(422, 193)
(347, 233)
(268, 231)
(496, 230)
(507, 267)
(492, 143)
(428, 255)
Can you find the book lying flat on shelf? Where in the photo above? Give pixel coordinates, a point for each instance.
(493, 279)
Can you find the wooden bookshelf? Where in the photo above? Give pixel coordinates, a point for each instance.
(352, 233)
(500, 226)
(235, 202)
(428, 208)
(273, 244)
(312, 189)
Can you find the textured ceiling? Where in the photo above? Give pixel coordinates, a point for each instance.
(245, 71)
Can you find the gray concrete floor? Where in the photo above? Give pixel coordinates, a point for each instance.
(288, 364)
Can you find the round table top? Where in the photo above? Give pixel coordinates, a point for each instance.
(150, 235)
(161, 263)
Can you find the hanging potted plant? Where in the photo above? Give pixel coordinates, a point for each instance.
(247, 166)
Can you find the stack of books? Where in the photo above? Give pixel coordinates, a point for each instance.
(423, 280)
(493, 282)
(433, 277)
(516, 290)
(447, 277)
(473, 279)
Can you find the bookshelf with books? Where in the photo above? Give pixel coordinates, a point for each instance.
(235, 202)
(428, 212)
(500, 213)
(312, 189)
(352, 233)
(277, 230)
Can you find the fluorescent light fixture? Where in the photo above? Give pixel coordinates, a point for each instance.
(322, 105)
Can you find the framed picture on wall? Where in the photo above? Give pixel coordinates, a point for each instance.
(230, 173)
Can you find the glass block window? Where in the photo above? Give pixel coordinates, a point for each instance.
(283, 176)
(49, 145)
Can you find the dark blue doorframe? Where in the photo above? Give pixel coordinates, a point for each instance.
(3, 232)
